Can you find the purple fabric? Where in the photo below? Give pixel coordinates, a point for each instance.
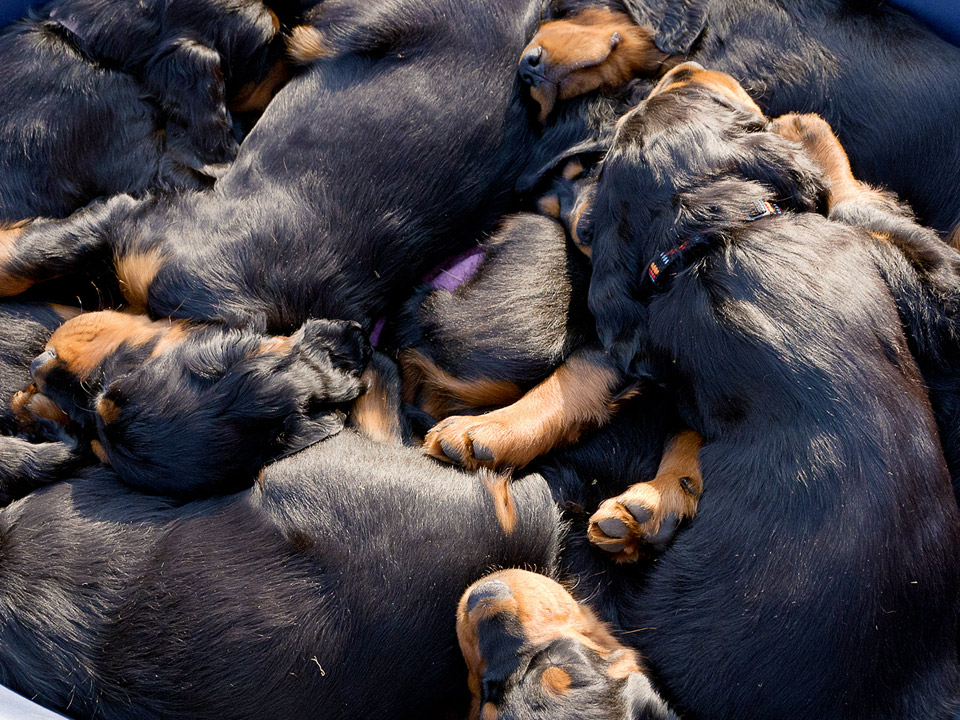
(449, 276)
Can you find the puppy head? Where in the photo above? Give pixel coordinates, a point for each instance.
(596, 49)
(691, 160)
(202, 409)
(533, 652)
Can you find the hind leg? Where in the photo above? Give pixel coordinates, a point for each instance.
(39, 250)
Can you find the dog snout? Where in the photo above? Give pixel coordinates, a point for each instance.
(531, 66)
(39, 362)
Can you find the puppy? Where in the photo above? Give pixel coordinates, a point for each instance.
(191, 410)
(282, 239)
(843, 61)
(140, 91)
(533, 652)
(793, 367)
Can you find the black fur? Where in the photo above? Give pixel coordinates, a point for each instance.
(206, 414)
(280, 239)
(329, 587)
(102, 97)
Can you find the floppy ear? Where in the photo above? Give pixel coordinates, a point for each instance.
(678, 23)
(300, 431)
(589, 152)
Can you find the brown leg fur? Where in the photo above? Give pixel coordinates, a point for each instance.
(646, 516)
(439, 393)
(578, 396)
(376, 413)
(10, 284)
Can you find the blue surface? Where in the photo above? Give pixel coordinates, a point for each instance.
(11, 10)
(941, 15)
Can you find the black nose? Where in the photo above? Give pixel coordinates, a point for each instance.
(531, 66)
(40, 361)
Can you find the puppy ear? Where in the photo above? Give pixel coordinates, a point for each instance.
(301, 432)
(589, 152)
(678, 23)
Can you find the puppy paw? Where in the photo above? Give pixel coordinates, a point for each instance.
(480, 441)
(823, 147)
(643, 521)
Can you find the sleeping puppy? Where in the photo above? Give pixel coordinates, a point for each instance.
(140, 91)
(332, 583)
(192, 410)
(534, 653)
(842, 60)
(280, 240)
(705, 219)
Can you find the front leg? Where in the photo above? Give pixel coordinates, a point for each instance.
(644, 519)
(581, 394)
(187, 79)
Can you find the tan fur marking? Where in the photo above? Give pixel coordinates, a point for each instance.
(97, 447)
(279, 345)
(576, 397)
(581, 55)
(573, 170)
(547, 612)
(306, 44)
(549, 205)
(489, 712)
(440, 393)
(254, 97)
(720, 83)
(555, 680)
(174, 333)
(108, 411)
(9, 284)
(376, 412)
(85, 341)
(503, 505)
(135, 272)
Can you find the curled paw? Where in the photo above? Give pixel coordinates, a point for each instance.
(478, 441)
(644, 520)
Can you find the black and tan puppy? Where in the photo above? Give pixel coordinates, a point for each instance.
(716, 273)
(338, 201)
(793, 367)
(331, 586)
(189, 411)
(887, 84)
(102, 97)
(534, 653)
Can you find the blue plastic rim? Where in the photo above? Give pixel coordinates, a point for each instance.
(941, 15)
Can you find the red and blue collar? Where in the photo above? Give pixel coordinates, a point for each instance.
(668, 264)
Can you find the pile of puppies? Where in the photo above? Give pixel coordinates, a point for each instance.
(605, 259)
